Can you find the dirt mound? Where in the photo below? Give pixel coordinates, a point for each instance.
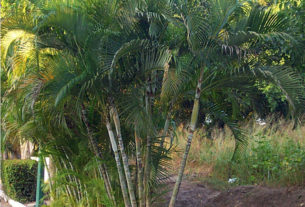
(258, 196)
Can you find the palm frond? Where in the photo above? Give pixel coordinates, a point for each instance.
(289, 82)
(21, 38)
(64, 91)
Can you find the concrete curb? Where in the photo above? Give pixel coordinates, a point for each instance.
(15, 203)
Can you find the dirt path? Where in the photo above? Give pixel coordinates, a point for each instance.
(194, 194)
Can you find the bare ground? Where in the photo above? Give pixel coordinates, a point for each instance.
(190, 194)
(194, 194)
(259, 196)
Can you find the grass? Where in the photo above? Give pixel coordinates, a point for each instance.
(274, 155)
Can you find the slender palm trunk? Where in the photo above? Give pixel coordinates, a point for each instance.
(68, 187)
(139, 170)
(166, 125)
(77, 190)
(191, 130)
(117, 124)
(165, 129)
(52, 169)
(71, 190)
(147, 172)
(108, 181)
(147, 169)
(101, 167)
(118, 163)
(103, 170)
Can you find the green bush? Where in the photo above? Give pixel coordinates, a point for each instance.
(282, 163)
(274, 155)
(19, 178)
(269, 160)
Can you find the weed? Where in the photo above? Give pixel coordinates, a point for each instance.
(275, 155)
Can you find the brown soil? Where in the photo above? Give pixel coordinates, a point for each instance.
(258, 196)
(194, 194)
(191, 194)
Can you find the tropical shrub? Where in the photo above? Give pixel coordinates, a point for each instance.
(19, 177)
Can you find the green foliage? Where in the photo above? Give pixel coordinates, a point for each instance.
(143, 57)
(272, 158)
(77, 182)
(276, 100)
(19, 178)
(273, 164)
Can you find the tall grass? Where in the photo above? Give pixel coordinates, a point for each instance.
(275, 154)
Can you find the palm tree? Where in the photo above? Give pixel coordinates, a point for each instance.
(89, 77)
(31, 45)
(208, 30)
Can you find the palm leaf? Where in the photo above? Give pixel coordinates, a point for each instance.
(64, 91)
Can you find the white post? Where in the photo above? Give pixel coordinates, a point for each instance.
(47, 166)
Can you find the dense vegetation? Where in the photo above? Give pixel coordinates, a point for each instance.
(100, 86)
(19, 178)
(274, 156)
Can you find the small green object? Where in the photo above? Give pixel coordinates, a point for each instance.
(39, 193)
